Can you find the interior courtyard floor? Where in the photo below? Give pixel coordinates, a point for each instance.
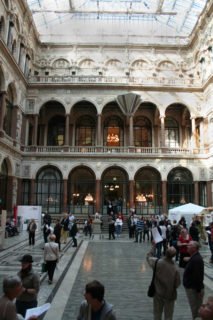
(119, 264)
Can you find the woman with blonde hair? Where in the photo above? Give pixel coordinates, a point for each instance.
(51, 256)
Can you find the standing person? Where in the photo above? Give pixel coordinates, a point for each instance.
(167, 280)
(12, 288)
(193, 278)
(31, 282)
(51, 256)
(94, 306)
(57, 233)
(183, 241)
(73, 233)
(206, 310)
(156, 235)
(194, 232)
(111, 226)
(118, 226)
(31, 228)
(47, 219)
(64, 228)
(139, 229)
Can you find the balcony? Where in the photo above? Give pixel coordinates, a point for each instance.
(114, 151)
(134, 81)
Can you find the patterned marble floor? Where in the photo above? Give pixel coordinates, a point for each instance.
(120, 264)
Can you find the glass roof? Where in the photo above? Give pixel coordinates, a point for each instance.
(116, 21)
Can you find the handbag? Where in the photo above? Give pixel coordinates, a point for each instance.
(44, 267)
(151, 289)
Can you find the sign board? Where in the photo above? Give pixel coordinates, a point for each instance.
(26, 213)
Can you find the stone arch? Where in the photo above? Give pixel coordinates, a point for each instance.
(86, 63)
(140, 64)
(2, 79)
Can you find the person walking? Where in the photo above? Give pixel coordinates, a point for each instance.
(32, 226)
(167, 280)
(57, 233)
(51, 256)
(94, 306)
(64, 228)
(193, 277)
(31, 283)
(73, 233)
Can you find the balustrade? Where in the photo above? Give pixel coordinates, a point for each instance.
(112, 150)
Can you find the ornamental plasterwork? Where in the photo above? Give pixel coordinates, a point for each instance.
(26, 171)
(202, 174)
(211, 173)
(17, 170)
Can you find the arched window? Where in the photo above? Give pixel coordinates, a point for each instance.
(3, 184)
(142, 132)
(85, 131)
(180, 187)
(171, 133)
(7, 126)
(113, 132)
(56, 131)
(148, 191)
(49, 190)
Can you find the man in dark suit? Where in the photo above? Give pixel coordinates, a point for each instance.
(193, 278)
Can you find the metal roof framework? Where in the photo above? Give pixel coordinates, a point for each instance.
(148, 22)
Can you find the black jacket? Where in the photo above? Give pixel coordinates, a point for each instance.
(194, 273)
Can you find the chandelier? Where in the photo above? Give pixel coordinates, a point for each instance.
(141, 198)
(111, 137)
(88, 198)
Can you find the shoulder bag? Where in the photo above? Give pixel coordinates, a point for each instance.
(151, 289)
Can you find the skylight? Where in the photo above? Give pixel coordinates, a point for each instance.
(116, 21)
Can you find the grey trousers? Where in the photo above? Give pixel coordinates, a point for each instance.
(161, 306)
(195, 300)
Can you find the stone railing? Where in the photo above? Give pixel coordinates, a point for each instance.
(112, 150)
(148, 81)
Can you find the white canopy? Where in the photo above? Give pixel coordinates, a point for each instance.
(188, 211)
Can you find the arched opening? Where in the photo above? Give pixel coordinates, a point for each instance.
(7, 125)
(49, 188)
(115, 191)
(172, 139)
(85, 131)
(148, 191)
(56, 131)
(142, 132)
(3, 185)
(81, 191)
(180, 188)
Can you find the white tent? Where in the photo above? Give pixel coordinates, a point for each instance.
(188, 211)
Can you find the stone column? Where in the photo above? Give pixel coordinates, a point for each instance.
(9, 196)
(65, 196)
(193, 133)
(45, 134)
(35, 130)
(162, 135)
(98, 196)
(32, 192)
(2, 109)
(164, 197)
(131, 134)
(67, 129)
(131, 194)
(99, 135)
(209, 188)
(201, 136)
(196, 190)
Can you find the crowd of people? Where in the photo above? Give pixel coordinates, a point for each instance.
(174, 247)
